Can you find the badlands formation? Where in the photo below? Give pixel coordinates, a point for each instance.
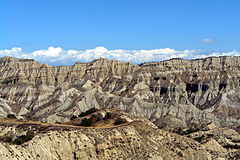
(176, 109)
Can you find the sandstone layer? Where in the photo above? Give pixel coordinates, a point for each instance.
(183, 91)
(136, 139)
(197, 99)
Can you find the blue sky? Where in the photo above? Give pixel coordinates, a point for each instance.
(208, 26)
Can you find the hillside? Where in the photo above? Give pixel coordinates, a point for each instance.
(180, 96)
(202, 90)
(137, 138)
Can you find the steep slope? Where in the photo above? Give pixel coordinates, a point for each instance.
(176, 91)
(137, 139)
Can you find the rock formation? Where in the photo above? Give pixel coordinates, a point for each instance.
(176, 95)
(137, 139)
(189, 91)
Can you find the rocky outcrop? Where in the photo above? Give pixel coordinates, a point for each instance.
(196, 99)
(179, 91)
(138, 139)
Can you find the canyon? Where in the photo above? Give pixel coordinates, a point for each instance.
(181, 99)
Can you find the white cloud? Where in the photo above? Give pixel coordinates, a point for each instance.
(58, 56)
(207, 40)
(233, 53)
(12, 52)
(51, 52)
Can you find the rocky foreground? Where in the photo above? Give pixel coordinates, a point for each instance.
(180, 96)
(137, 138)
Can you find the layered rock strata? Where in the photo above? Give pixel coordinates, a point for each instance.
(176, 91)
(137, 139)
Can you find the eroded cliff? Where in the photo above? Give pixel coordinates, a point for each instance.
(176, 90)
(136, 139)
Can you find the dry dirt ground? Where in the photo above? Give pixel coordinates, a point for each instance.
(108, 124)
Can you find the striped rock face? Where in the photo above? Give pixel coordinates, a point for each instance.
(175, 93)
(197, 99)
(136, 139)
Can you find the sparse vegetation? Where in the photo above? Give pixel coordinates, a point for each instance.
(235, 140)
(96, 118)
(108, 116)
(210, 135)
(231, 146)
(11, 116)
(120, 120)
(88, 112)
(199, 139)
(73, 117)
(21, 139)
(87, 122)
(8, 140)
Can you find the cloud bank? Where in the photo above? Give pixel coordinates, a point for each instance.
(58, 56)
